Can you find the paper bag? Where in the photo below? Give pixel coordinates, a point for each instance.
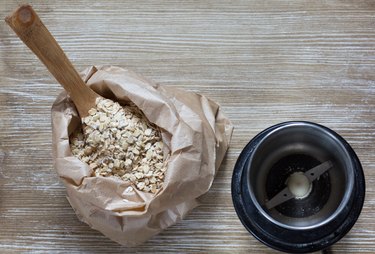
(196, 135)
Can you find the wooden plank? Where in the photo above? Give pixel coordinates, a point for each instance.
(264, 61)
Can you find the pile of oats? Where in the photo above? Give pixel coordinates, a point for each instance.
(120, 141)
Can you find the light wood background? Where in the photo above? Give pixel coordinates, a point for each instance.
(265, 62)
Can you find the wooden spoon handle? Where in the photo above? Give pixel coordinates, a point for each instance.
(30, 29)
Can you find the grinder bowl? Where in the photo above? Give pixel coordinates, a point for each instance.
(330, 205)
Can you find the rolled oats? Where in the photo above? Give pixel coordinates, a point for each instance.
(120, 141)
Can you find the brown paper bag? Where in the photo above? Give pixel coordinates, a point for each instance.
(196, 136)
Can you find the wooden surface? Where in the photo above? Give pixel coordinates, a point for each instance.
(264, 61)
(30, 29)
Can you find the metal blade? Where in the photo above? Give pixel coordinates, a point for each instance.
(280, 198)
(285, 194)
(317, 171)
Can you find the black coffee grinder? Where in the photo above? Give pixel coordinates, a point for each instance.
(298, 187)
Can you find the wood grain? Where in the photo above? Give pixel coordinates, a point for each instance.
(265, 62)
(26, 23)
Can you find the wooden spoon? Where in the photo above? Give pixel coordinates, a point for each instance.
(30, 29)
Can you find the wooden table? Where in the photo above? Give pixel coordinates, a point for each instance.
(265, 62)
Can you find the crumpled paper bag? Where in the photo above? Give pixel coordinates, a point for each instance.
(196, 135)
